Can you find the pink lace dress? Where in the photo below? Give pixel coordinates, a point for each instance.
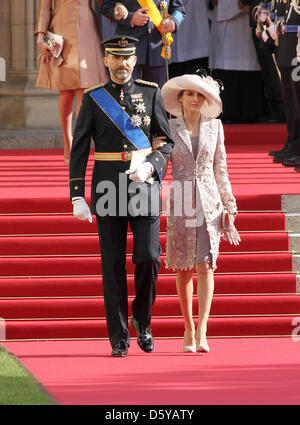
(199, 192)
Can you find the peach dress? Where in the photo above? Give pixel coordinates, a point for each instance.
(82, 59)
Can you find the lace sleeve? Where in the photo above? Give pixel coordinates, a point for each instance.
(221, 174)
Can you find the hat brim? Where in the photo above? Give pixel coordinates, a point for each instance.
(121, 52)
(211, 107)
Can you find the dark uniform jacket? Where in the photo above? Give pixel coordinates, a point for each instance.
(287, 42)
(148, 49)
(93, 123)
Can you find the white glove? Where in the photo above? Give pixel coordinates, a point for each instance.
(272, 31)
(142, 172)
(81, 209)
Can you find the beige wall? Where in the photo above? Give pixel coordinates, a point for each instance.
(22, 106)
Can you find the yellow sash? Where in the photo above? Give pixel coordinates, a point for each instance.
(155, 16)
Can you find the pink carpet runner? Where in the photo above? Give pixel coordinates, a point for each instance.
(50, 289)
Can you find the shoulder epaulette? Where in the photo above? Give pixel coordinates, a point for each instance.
(146, 83)
(94, 87)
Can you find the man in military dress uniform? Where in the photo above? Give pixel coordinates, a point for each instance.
(264, 51)
(289, 156)
(122, 116)
(150, 64)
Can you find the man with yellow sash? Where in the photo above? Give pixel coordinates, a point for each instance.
(147, 21)
(122, 117)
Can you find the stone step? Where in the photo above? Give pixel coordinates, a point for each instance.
(31, 139)
(290, 204)
(292, 222)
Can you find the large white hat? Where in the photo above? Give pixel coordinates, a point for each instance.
(207, 86)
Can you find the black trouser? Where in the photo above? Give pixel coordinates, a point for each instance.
(146, 251)
(291, 99)
(269, 73)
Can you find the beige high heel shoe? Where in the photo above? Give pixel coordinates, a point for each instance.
(201, 348)
(189, 348)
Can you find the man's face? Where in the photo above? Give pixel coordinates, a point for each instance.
(120, 67)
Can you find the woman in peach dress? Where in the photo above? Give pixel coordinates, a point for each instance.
(80, 64)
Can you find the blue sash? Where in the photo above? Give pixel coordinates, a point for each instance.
(120, 118)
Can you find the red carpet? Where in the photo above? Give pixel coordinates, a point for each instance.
(49, 261)
(50, 289)
(241, 371)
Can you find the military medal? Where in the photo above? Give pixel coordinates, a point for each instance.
(140, 107)
(136, 120)
(146, 120)
(137, 97)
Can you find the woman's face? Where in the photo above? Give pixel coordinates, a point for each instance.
(191, 101)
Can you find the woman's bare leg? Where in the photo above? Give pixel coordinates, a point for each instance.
(184, 285)
(79, 94)
(65, 109)
(205, 290)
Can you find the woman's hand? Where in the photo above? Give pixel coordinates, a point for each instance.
(44, 48)
(158, 142)
(120, 11)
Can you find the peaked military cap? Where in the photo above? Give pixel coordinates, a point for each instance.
(120, 45)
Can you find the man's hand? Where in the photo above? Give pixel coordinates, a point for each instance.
(140, 18)
(120, 11)
(81, 209)
(142, 172)
(168, 26)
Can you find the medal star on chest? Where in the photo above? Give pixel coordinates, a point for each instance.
(136, 120)
(140, 108)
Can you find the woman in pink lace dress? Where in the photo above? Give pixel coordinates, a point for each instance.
(80, 64)
(199, 193)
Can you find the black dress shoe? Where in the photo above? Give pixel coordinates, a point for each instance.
(282, 156)
(280, 152)
(144, 336)
(120, 349)
(292, 161)
(297, 169)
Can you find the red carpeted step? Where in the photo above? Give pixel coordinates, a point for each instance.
(164, 306)
(56, 224)
(261, 134)
(88, 245)
(166, 285)
(45, 205)
(40, 204)
(161, 327)
(248, 201)
(36, 183)
(86, 265)
(230, 326)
